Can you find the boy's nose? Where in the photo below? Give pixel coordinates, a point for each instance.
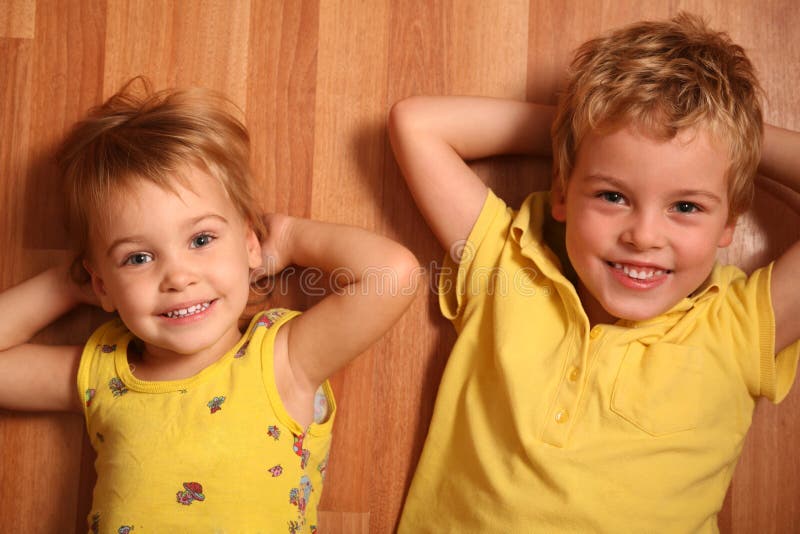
(644, 231)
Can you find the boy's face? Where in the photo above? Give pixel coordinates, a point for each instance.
(176, 266)
(644, 219)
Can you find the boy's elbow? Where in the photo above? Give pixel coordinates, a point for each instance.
(403, 115)
(397, 117)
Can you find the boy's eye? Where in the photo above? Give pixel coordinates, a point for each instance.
(202, 240)
(139, 258)
(612, 196)
(686, 207)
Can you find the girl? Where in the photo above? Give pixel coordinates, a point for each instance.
(198, 425)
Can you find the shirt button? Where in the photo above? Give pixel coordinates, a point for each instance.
(562, 416)
(574, 373)
(595, 332)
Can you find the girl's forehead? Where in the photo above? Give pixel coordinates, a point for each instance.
(158, 198)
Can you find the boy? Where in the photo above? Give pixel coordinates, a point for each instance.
(611, 386)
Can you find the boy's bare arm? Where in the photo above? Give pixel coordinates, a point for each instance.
(374, 281)
(37, 377)
(432, 137)
(780, 161)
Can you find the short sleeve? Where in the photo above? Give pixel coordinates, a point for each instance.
(777, 370)
(482, 248)
(748, 320)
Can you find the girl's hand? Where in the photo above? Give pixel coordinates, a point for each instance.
(79, 281)
(274, 252)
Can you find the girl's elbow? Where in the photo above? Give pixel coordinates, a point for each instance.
(409, 273)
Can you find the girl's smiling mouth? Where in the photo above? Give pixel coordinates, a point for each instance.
(188, 311)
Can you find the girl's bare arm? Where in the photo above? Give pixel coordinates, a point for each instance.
(38, 377)
(374, 280)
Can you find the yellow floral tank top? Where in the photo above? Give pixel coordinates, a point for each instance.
(215, 452)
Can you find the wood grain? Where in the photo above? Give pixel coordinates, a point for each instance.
(315, 81)
(17, 19)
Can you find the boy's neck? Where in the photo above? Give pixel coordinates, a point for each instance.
(594, 311)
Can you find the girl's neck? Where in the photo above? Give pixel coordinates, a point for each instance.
(151, 363)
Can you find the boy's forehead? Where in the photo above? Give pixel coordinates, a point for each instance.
(622, 135)
(629, 151)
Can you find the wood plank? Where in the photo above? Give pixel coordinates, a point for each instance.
(192, 42)
(17, 19)
(151, 26)
(281, 92)
(15, 118)
(67, 66)
(350, 105)
(344, 523)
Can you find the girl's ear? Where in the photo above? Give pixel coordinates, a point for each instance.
(558, 202)
(99, 288)
(254, 258)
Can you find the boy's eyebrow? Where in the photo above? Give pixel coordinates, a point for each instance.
(604, 178)
(133, 239)
(618, 184)
(699, 192)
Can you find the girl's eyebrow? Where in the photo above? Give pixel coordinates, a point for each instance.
(127, 240)
(191, 223)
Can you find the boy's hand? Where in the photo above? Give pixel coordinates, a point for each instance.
(433, 137)
(779, 162)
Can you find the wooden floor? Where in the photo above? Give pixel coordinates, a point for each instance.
(316, 80)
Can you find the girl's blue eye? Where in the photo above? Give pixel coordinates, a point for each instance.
(686, 207)
(612, 196)
(139, 258)
(202, 240)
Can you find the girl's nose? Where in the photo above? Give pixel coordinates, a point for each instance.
(177, 274)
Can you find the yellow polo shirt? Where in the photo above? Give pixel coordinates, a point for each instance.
(542, 424)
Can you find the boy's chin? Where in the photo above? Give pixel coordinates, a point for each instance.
(638, 311)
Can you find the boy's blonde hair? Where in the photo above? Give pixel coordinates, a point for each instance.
(152, 136)
(664, 77)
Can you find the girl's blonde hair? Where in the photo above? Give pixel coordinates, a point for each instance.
(664, 77)
(153, 136)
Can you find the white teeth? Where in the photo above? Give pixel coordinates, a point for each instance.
(191, 310)
(641, 274)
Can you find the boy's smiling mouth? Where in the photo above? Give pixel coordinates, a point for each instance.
(186, 312)
(639, 272)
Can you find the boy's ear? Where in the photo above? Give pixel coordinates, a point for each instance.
(558, 202)
(99, 288)
(253, 250)
(727, 233)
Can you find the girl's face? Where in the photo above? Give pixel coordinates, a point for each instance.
(176, 267)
